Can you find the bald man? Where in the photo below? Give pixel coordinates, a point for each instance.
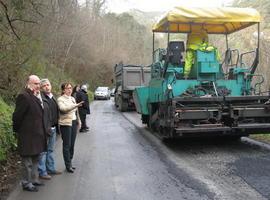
(28, 123)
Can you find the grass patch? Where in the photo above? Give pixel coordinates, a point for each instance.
(261, 137)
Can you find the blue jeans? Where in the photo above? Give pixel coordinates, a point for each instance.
(46, 160)
(50, 164)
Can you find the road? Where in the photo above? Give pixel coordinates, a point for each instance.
(119, 159)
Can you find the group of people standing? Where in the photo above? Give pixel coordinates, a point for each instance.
(37, 119)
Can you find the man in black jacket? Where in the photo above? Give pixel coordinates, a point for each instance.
(84, 109)
(47, 161)
(28, 123)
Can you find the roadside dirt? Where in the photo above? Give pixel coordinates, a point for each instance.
(10, 172)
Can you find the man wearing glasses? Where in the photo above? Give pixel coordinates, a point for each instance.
(29, 125)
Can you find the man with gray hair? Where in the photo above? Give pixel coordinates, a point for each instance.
(29, 125)
(47, 161)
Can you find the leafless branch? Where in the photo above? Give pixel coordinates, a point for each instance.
(68, 49)
(4, 31)
(36, 9)
(23, 20)
(24, 61)
(8, 19)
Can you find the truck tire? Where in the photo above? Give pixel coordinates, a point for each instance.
(153, 123)
(116, 101)
(123, 106)
(145, 119)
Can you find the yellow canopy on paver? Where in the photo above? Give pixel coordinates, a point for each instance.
(218, 20)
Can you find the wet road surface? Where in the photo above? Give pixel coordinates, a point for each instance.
(230, 169)
(119, 159)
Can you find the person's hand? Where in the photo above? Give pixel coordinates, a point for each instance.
(80, 104)
(79, 124)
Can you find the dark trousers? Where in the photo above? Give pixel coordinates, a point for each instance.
(83, 120)
(68, 136)
(31, 169)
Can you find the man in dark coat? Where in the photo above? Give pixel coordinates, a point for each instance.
(84, 109)
(47, 161)
(28, 123)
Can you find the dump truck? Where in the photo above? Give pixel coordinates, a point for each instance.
(220, 97)
(127, 78)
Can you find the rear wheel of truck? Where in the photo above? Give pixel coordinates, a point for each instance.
(145, 119)
(153, 122)
(123, 106)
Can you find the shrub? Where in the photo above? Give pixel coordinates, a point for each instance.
(90, 95)
(7, 137)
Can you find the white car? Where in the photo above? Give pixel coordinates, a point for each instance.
(102, 93)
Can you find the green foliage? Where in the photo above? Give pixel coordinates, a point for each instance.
(245, 41)
(90, 95)
(64, 42)
(78, 47)
(7, 137)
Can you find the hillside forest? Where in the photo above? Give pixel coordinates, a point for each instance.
(66, 40)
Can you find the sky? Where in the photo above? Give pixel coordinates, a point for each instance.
(119, 6)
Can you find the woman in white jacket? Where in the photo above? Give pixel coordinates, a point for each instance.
(68, 121)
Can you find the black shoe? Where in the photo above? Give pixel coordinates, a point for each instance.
(38, 184)
(87, 128)
(31, 189)
(83, 130)
(70, 170)
(56, 172)
(73, 167)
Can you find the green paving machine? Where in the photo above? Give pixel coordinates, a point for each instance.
(221, 97)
